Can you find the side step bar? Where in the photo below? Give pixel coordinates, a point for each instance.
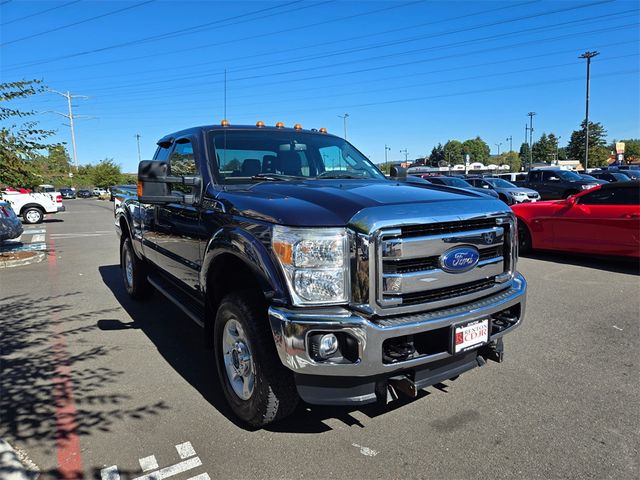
(181, 300)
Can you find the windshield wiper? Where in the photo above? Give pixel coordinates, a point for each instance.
(274, 177)
(330, 175)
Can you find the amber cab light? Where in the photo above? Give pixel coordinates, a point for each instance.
(224, 123)
(279, 125)
(259, 124)
(297, 126)
(323, 130)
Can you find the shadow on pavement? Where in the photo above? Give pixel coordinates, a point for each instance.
(622, 265)
(46, 369)
(180, 342)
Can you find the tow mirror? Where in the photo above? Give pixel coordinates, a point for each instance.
(398, 173)
(154, 185)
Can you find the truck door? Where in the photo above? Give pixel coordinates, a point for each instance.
(175, 231)
(553, 185)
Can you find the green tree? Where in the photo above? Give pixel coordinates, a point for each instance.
(20, 143)
(477, 149)
(453, 152)
(437, 155)
(544, 150)
(513, 160)
(598, 152)
(106, 173)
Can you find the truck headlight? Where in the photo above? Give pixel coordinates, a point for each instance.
(315, 262)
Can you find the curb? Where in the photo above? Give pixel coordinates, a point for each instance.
(37, 257)
(11, 466)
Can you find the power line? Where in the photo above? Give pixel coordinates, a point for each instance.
(184, 31)
(38, 13)
(62, 27)
(369, 69)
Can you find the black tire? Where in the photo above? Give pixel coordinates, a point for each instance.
(568, 193)
(524, 238)
(274, 395)
(505, 199)
(135, 282)
(32, 215)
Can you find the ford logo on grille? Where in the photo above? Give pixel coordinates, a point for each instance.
(459, 259)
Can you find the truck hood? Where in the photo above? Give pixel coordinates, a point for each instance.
(345, 202)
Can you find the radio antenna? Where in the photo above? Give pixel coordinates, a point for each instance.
(225, 93)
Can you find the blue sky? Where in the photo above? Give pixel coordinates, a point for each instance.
(410, 74)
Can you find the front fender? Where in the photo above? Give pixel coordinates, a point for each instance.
(254, 254)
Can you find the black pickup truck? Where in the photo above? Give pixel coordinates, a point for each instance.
(555, 183)
(312, 275)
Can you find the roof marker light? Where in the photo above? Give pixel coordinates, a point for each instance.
(224, 123)
(259, 124)
(297, 126)
(279, 125)
(323, 130)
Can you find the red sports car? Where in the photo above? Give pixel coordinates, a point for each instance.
(604, 220)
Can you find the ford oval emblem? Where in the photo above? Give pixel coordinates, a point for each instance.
(459, 259)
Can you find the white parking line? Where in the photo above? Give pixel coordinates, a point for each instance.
(148, 463)
(172, 470)
(110, 473)
(202, 476)
(38, 238)
(185, 450)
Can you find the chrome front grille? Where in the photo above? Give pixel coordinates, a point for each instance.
(408, 272)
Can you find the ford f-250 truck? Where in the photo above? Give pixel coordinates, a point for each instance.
(555, 183)
(314, 276)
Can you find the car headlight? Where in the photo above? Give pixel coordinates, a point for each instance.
(518, 194)
(587, 187)
(315, 262)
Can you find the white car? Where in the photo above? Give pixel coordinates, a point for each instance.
(99, 191)
(32, 207)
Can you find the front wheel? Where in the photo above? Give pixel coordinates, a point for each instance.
(524, 238)
(134, 273)
(32, 215)
(258, 388)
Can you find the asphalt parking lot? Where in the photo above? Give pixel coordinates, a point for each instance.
(94, 385)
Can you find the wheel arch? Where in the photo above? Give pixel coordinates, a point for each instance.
(32, 205)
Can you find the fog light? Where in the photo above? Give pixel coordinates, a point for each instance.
(327, 346)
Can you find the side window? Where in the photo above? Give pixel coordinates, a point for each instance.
(535, 176)
(182, 163)
(162, 153)
(549, 176)
(609, 196)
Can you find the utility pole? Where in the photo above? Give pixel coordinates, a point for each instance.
(138, 140)
(344, 118)
(70, 116)
(510, 140)
(531, 114)
(557, 149)
(406, 154)
(498, 145)
(588, 55)
(386, 149)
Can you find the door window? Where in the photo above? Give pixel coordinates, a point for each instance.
(182, 163)
(611, 196)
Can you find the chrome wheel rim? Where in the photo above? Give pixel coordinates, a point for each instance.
(238, 361)
(33, 216)
(128, 268)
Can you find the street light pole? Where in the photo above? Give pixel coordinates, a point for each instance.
(531, 114)
(386, 149)
(557, 149)
(588, 56)
(344, 118)
(510, 139)
(138, 140)
(406, 154)
(498, 145)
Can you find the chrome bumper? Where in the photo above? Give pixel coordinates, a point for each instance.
(291, 329)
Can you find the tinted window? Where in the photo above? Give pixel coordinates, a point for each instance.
(182, 163)
(162, 153)
(535, 176)
(500, 183)
(612, 196)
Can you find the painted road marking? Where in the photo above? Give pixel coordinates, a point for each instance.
(366, 451)
(110, 473)
(33, 231)
(185, 450)
(148, 463)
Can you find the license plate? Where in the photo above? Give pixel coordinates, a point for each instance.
(470, 335)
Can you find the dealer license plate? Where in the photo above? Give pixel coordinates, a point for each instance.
(470, 335)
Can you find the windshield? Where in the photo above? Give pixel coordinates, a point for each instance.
(621, 177)
(569, 176)
(456, 182)
(500, 183)
(244, 156)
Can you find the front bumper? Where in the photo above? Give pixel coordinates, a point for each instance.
(291, 329)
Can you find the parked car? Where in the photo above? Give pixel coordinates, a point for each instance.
(604, 220)
(632, 171)
(313, 276)
(97, 192)
(590, 178)
(84, 194)
(610, 176)
(461, 183)
(10, 224)
(555, 183)
(32, 207)
(507, 191)
(67, 193)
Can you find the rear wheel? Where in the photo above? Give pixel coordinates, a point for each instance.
(32, 215)
(524, 238)
(134, 273)
(258, 388)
